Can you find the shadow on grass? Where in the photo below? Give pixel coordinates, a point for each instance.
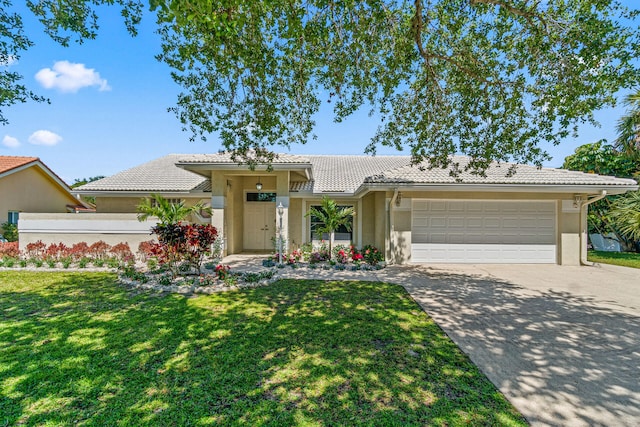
(78, 348)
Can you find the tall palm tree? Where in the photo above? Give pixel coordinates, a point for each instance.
(166, 211)
(332, 217)
(628, 128)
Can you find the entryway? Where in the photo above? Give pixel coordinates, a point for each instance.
(259, 225)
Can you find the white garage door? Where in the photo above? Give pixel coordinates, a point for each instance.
(480, 231)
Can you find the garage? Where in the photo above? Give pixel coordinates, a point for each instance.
(483, 231)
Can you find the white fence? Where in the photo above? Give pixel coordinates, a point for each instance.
(71, 228)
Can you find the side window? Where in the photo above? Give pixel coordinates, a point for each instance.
(13, 217)
(342, 233)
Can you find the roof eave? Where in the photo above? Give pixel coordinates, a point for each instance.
(201, 168)
(499, 188)
(141, 193)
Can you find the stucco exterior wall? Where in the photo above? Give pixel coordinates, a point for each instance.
(31, 190)
(295, 222)
(70, 228)
(111, 204)
(568, 226)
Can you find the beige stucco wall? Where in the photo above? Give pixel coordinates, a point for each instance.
(113, 204)
(295, 223)
(568, 227)
(31, 190)
(71, 228)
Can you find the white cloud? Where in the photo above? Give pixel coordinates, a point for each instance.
(11, 142)
(44, 137)
(70, 77)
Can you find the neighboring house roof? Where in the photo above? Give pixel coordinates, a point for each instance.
(345, 175)
(159, 175)
(8, 163)
(13, 164)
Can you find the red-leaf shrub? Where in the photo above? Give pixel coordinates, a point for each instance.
(184, 242)
(99, 250)
(36, 250)
(79, 250)
(122, 251)
(9, 250)
(147, 249)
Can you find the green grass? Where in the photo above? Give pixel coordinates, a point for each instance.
(77, 348)
(625, 259)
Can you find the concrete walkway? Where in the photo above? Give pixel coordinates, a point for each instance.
(561, 343)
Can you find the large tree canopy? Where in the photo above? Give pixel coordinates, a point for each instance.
(494, 79)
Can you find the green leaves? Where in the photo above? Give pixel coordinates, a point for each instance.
(491, 79)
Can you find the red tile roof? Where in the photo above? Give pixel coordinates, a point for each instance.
(11, 162)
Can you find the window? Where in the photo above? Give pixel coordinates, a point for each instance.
(341, 234)
(261, 197)
(13, 217)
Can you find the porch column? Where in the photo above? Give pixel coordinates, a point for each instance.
(285, 221)
(218, 219)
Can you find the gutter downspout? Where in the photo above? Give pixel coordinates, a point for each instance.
(585, 229)
(392, 227)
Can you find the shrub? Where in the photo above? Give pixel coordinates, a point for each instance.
(9, 250)
(147, 249)
(9, 232)
(99, 250)
(222, 271)
(340, 254)
(183, 242)
(372, 255)
(78, 251)
(122, 252)
(36, 250)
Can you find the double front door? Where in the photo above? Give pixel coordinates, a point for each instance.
(259, 225)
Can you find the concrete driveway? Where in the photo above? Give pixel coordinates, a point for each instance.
(561, 343)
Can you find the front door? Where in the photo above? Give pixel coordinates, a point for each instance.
(259, 225)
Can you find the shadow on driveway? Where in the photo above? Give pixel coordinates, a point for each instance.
(561, 358)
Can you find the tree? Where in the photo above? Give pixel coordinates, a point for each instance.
(167, 212)
(493, 79)
(62, 20)
(332, 217)
(628, 128)
(82, 181)
(604, 159)
(626, 214)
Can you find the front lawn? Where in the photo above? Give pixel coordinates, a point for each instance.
(77, 348)
(625, 259)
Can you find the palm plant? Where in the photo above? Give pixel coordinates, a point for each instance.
(332, 217)
(626, 215)
(628, 140)
(166, 211)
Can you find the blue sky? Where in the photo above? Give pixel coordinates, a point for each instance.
(119, 118)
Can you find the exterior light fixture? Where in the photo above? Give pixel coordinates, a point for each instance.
(259, 185)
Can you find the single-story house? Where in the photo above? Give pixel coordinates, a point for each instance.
(28, 185)
(416, 214)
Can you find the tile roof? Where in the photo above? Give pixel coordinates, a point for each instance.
(342, 174)
(157, 175)
(496, 174)
(11, 162)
